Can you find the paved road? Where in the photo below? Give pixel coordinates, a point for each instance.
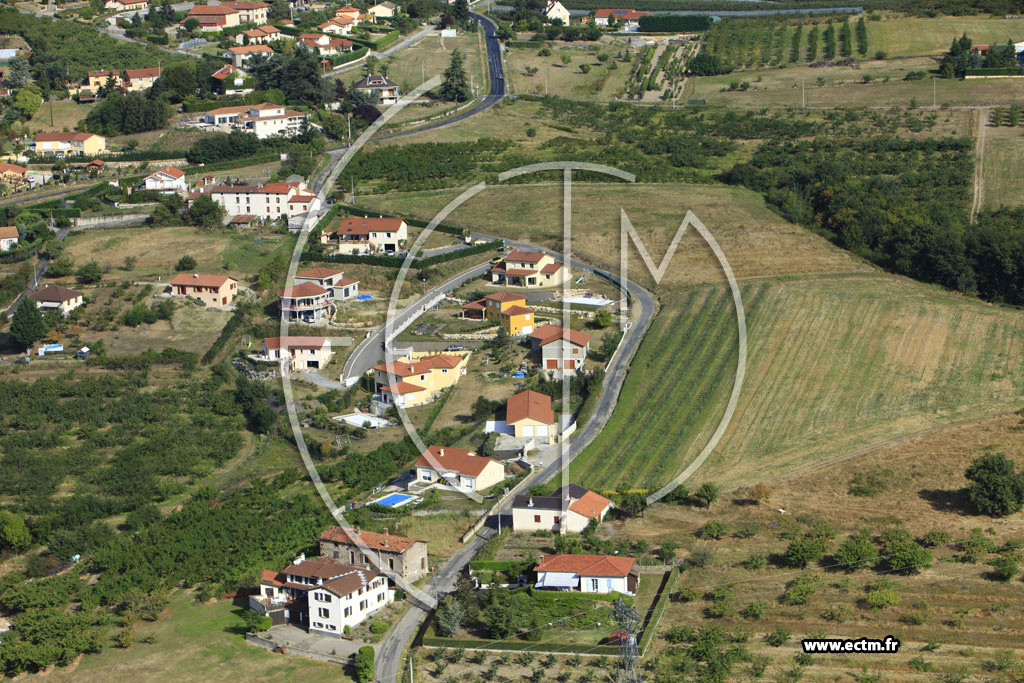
(37, 276)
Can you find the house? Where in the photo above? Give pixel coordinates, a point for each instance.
(529, 269)
(306, 302)
(321, 595)
(65, 144)
(8, 237)
(560, 349)
(126, 5)
(568, 510)
(95, 165)
(457, 469)
(12, 173)
(212, 290)
(348, 12)
(324, 44)
(338, 26)
(334, 281)
(264, 119)
(529, 415)
(167, 179)
(416, 378)
(357, 235)
(628, 18)
(304, 353)
(394, 555)
(981, 50)
(259, 35)
(215, 17)
(504, 308)
(383, 10)
(98, 79)
(56, 298)
(383, 91)
(138, 80)
(588, 573)
(241, 54)
(243, 220)
(231, 80)
(556, 10)
(249, 12)
(272, 200)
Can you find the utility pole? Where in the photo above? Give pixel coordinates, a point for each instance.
(934, 97)
(803, 93)
(629, 657)
(350, 126)
(545, 80)
(410, 668)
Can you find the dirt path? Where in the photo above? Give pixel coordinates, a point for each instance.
(979, 169)
(864, 450)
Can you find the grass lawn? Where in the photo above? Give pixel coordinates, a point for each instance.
(195, 642)
(564, 80)
(66, 115)
(429, 57)
(1003, 173)
(913, 36)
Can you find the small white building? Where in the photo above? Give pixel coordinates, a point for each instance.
(269, 201)
(57, 298)
(264, 119)
(561, 350)
(457, 469)
(588, 573)
(556, 10)
(569, 510)
(167, 179)
(8, 237)
(305, 353)
(321, 595)
(383, 10)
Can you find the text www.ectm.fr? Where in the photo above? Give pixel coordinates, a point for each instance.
(888, 645)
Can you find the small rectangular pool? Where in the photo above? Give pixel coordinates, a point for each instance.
(394, 500)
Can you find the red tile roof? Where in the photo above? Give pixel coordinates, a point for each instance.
(8, 231)
(364, 226)
(272, 578)
(545, 334)
(529, 405)
(402, 388)
(302, 289)
(221, 10)
(505, 296)
(55, 293)
(591, 505)
(587, 565)
(200, 280)
(249, 49)
(517, 310)
(394, 544)
(63, 137)
(527, 256)
(420, 366)
(12, 168)
(520, 271)
(168, 170)
(151, 72)
(551, 268)
(296, 342)
(447, 459)
(319, 273)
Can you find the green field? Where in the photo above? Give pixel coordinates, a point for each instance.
(840, 356)
(912, 36)
(567, 80)
(1003, 173)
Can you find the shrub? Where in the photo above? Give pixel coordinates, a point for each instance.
(713, 529)
(802, 551)
(838, 614)
(778, 637)
(880, 598)
(754, 610)
(996, 489)
(933, 539)
(755, 562)
(186, 262)
(1005, 568)
(379, 626)
(800, 590)
(918, 663)
(684, 594)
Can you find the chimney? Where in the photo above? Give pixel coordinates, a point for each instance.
(441, 451)
(385, 531)
(530, 504)
(195, 275)
(301, 558)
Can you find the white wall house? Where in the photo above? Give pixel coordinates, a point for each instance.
(556, 10)
(57, 298)
(334, 281)
(457, 469)
(8, 237)
(303, 353)
(560, 350)
(357, 235)
(569, 510)
(587, 573)
(167, 179)
(272, 200)
(264, 119)
(321, 595)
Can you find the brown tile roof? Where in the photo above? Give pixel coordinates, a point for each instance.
(242, 218)
(8, 231)
(296, 342)
(200, 280)
(272, 578)
(545, 334)
(220, 10)
(520, 271)
(242, 4)
(474, 306)
(505, 296)
(527, 256)
(402, 388)
(371, 539)
(364, 226)
(591, 505)
(529, 405)
(421, 366)
(168, 170)
(151, 72)
(63, 137)
(12, 168)
(319, 273)
(517, 310)
(225, 71)
(551, 268)
(249, 49)
(587, 565)
(302, 289)
(55, 293)
(340, 579)
(449, 459)
(346, 281)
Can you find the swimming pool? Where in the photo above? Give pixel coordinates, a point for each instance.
(394, 500)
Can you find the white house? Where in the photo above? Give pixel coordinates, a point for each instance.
(264, 119)
(334, 281)
(383, 91)
(272, 200)
(305, 353)
(167, 179)
(8, 237)
(321, 595)
(587, 573)
(383, 10)
(241, 54)
(306, 302)
(556, 10)
(561, 350)
(232, 80)
(356, 235)
(569, 510)
(457, 469)
(56, 298)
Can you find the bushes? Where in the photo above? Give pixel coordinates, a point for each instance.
(232, 324)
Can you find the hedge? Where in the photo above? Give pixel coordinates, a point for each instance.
(383, 41)
(529, 44)
(21, 253)
(291, 30)
(672, 23)
(229, 328)
(358, 53)
(661, 603)
(261, 158)
(495, 565)
(1006, 71)
(514, 646)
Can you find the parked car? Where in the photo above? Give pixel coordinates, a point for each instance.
(497, 259)
(455, 347)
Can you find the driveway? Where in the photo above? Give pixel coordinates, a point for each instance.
(293, 636)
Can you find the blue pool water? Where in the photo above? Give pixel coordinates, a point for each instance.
(393, 500)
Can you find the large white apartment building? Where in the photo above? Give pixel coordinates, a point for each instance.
(264, 120)
(262, 201)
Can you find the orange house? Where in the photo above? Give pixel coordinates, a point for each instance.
(212, 290)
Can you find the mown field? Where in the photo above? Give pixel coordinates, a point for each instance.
(913, 36)
(568, 80)
(1003, 174)
(840, 356)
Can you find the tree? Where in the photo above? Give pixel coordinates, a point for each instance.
(584, 68)
(707, 493)
(609, 343)
(205, 212)
(176, 82)
(191, 25)
(256, 622)
(603, 318)
(28, 100)
(862, 36)
(370, 65)
(997, 489)
(186, 262)
(90, 273)
(804, 550)
(456, 85)
(27, 325)
(62, 267)
(14, 535)
(280, 9)
(667, 551)
(364, 664)
(449, 618)
(856, 552)
(633, 503)
(566, 59)
(18, 72)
